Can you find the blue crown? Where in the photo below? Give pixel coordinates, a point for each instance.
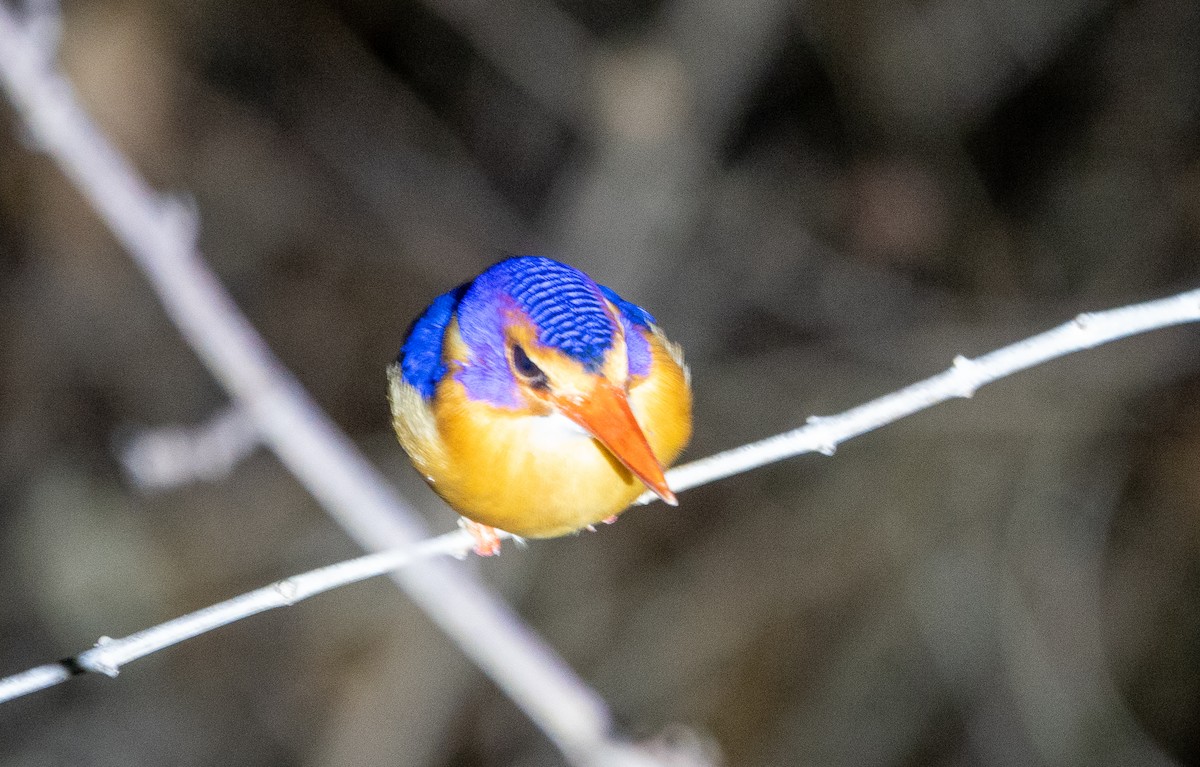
(564, 304)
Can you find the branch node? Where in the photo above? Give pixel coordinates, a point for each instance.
(287, 589)
(826, 446)
(94, 660)
(968, 368)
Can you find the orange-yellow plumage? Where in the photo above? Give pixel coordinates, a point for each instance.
(524, 463)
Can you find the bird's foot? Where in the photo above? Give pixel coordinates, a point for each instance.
(487, 538)
(606, 520)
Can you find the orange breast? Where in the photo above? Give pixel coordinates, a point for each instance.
(542, 476)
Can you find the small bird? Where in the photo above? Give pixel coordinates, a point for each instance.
(537, 402)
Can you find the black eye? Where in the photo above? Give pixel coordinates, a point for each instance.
(526, 369)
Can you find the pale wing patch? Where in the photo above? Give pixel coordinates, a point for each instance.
(662, 401)
(676, 353)
(413, 420)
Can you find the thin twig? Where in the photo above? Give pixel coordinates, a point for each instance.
(160, 235)
(169, 456)
(109, 655)
(823, 434)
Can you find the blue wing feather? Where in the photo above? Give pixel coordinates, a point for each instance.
(634, 313)
(637, 323)
(421, 355)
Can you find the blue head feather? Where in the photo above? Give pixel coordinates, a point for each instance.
(563, 303)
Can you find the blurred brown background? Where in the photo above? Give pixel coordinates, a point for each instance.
(823, 201)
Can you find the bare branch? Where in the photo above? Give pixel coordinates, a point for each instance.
(170, 456)
(159, 234)
(822, 434)
(109, 655)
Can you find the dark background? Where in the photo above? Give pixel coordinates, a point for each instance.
(822, 201)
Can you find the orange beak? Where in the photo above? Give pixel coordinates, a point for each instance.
(605, 414)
